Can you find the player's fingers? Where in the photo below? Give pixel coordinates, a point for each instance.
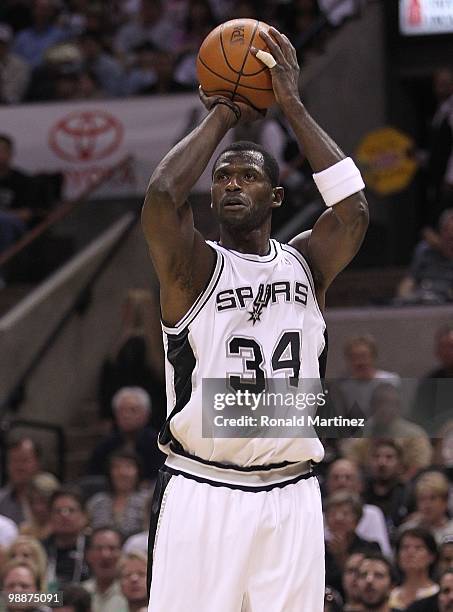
(292, 51)
(264, 57)
(282, 41)
(273, 47)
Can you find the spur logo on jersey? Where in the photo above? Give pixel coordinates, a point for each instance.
(242, 298)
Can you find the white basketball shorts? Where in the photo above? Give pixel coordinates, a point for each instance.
(217, 547)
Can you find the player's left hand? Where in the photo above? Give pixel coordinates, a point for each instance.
(247, 112)
(285, 74)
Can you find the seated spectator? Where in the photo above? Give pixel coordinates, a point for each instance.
(139, 541)
(385, 488)
(137, 357)
(386, 422)
(15, 197)
(20, 577)
(103, 553)
(431, 506)
(75, 599)
(124, 505)
(430, 278)
(344, 475)
(14, 72)
(30, 550)
(40, 490)
(103, 65)
(22, 464)
(432, 403)
(349, 583)
(66, 545)
(376, 578)
(33, 42)
(445, 560)
(132, 571)
(343, 512)
(416, 556)
(364, 376)
(150, 25)
(132, 410)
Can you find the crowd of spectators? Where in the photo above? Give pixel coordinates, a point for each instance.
(387, 497)
(74, 49)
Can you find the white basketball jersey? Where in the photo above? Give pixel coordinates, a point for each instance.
(254, 311)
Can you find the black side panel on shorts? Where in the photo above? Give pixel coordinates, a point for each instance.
(163, 478)
(181, 357)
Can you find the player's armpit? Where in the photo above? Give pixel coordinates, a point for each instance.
(335, 239)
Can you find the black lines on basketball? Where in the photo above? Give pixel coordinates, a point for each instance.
(245, 56)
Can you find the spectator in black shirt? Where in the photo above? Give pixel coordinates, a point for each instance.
(385, 488)
(66, 545)
(15, 197)
(132, 410)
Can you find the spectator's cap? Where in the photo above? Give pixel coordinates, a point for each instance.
(6, 33)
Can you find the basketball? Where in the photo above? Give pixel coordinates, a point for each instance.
(225, 65)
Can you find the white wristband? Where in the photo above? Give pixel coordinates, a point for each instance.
(339, 181)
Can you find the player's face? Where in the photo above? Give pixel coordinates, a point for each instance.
(241, 193)
(374, 583)
(446, 594)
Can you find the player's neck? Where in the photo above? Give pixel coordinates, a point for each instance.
(255, 242)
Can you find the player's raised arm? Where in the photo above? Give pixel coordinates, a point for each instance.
(175, 245)
(339, 232)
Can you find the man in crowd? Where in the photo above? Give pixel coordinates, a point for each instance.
(22, 465)
(432, 404)
(15, 196)
(375, 582)
(66, 545)
(103, 554)
(14, 72)
(349, 581)
(133, 580)
(385, 488)
(132, 411)
(430, 277)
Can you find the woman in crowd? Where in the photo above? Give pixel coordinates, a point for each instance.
(416, 556)
(39, 493)
(30, 550)
(124, 505)
(19, 577)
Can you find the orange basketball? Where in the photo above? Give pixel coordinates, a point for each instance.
(225, 65)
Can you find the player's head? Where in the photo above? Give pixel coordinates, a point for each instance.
(245, 186)
(375, 581)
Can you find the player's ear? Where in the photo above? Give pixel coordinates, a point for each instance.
(278, 194)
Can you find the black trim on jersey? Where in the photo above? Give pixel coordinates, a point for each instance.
(163, 478)
(217, 483)
(273, 247)
(227, 466)
(182, 358)
(310, 276)
(322, 359)
(201, 300)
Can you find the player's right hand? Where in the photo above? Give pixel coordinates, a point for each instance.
(248, 113)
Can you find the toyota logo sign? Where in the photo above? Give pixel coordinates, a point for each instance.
(86, 136)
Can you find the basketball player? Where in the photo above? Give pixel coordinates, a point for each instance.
(237, 523)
